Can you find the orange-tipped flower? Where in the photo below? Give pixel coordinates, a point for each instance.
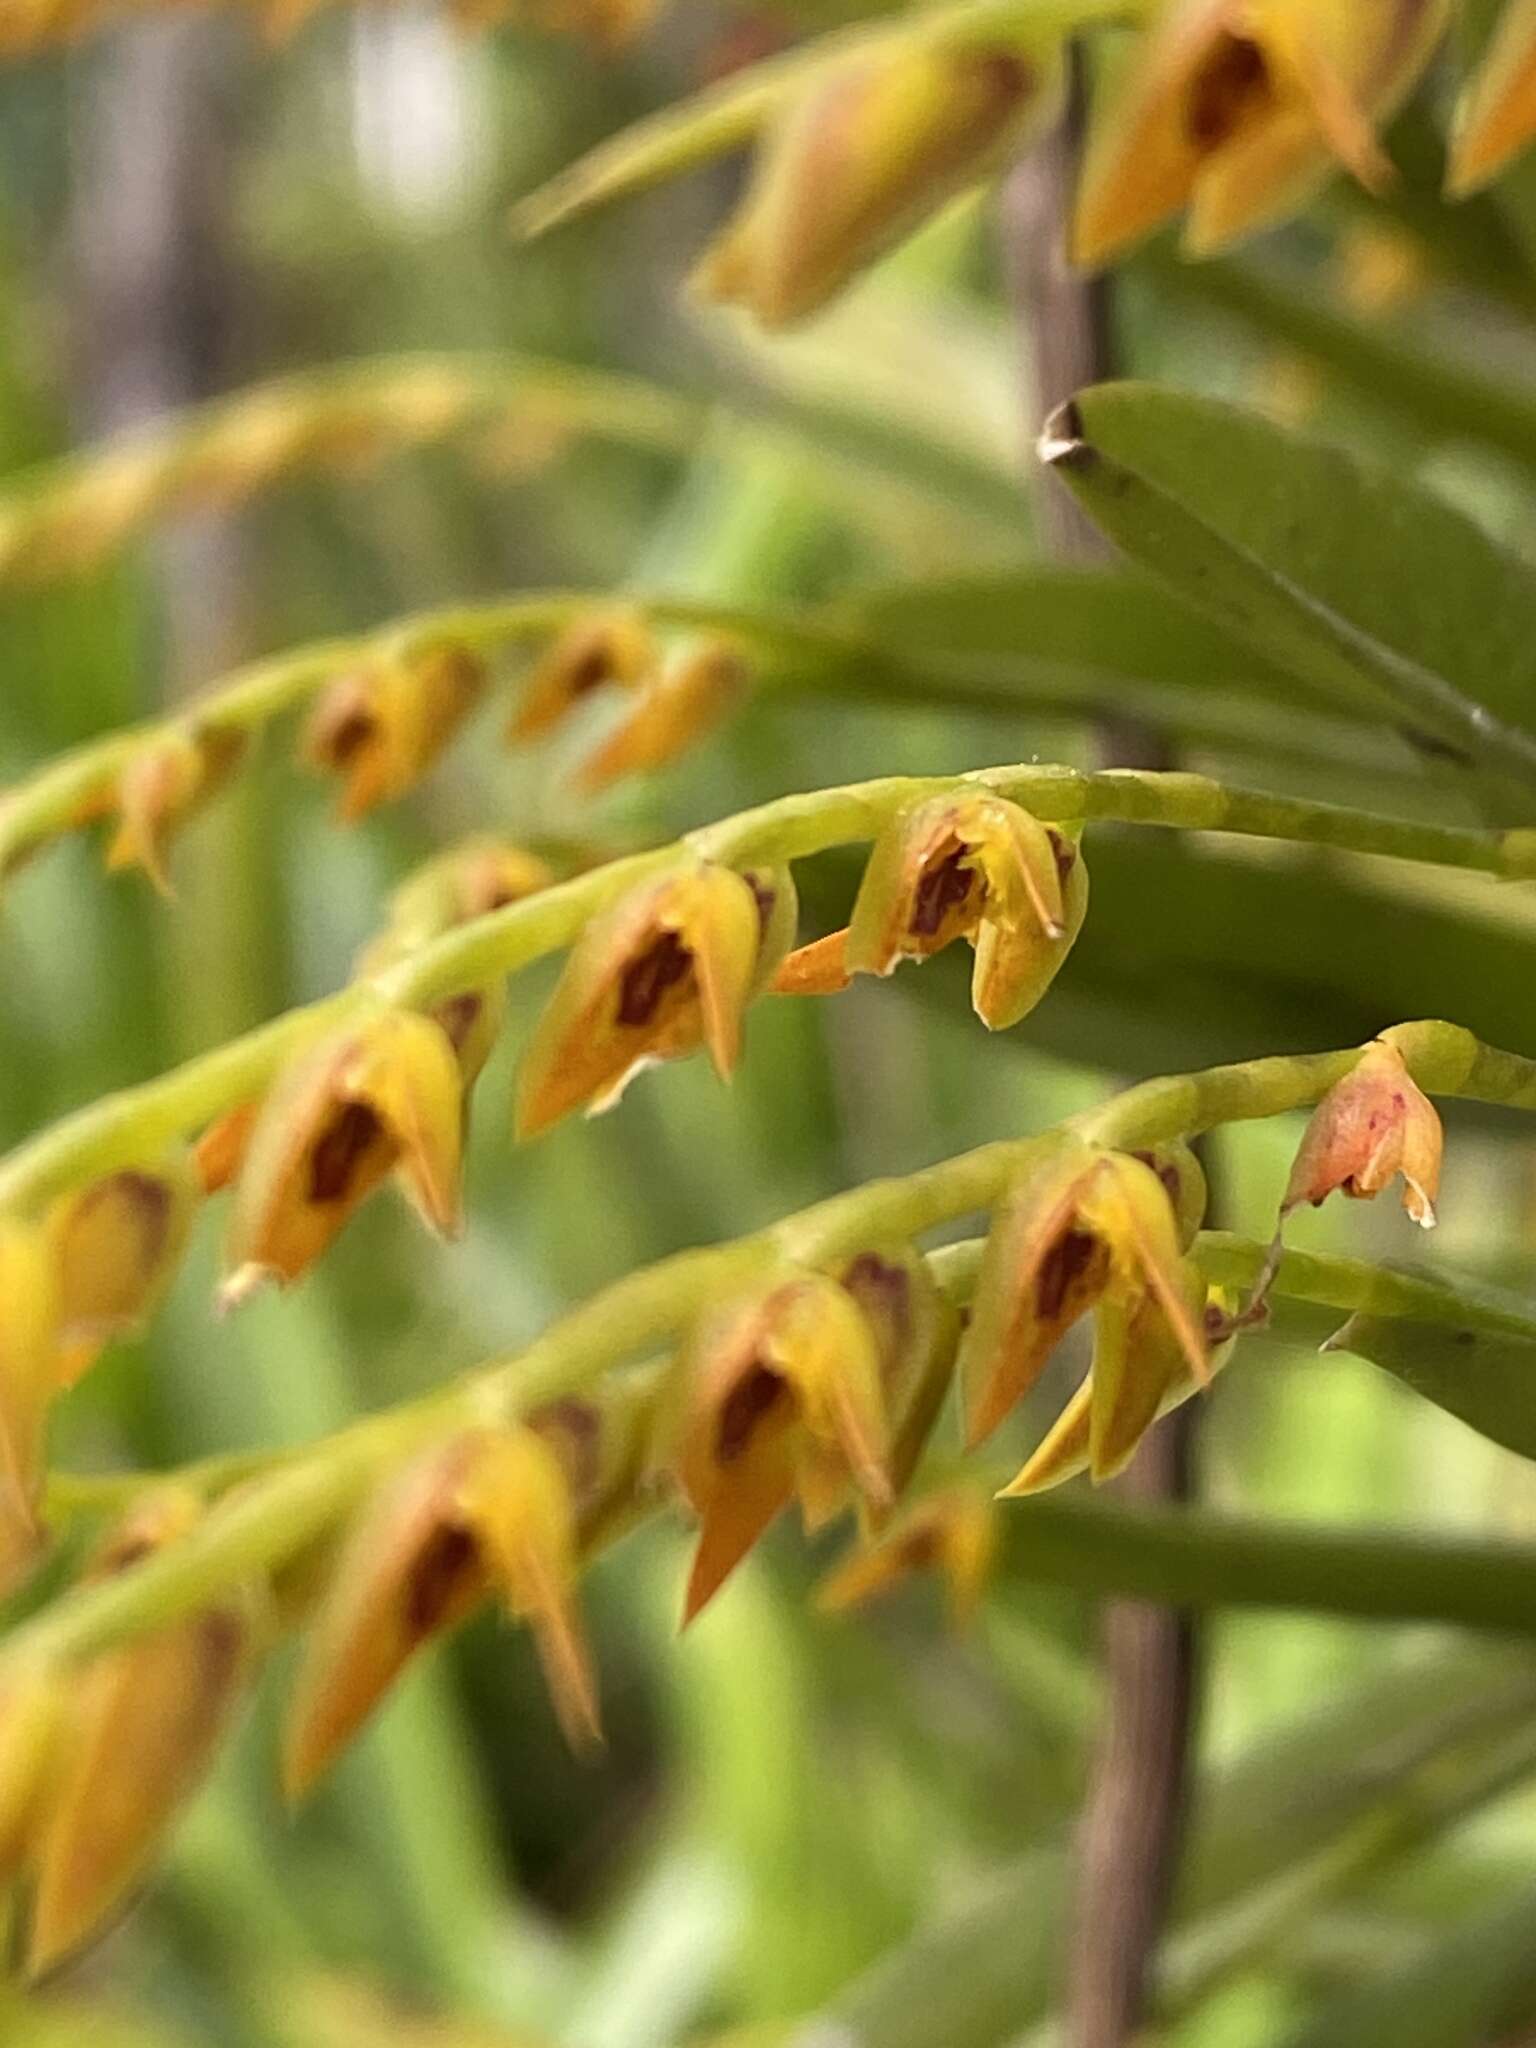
(115, 1244)
(1140, 1371)
(1496, 117)
(866, 152)
(1239, 109)
(159, 787)
(953, 1533)
(782, 1395)
(146, 1722)
(382, 728)
(1081, 1226)
(610, 647)
(28, 1379)
(671, 967)
(680, 705)
(982, 869)
(489, 1511)
(1370, 1127)
(379, 1097)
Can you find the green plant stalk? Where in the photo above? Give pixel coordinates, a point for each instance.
(139, 1122)
(261, 1523)
(835, 656)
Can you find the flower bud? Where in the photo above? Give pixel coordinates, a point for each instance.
(115, 1244)
(870, 148)
(982, 869)
(1080, 1225)
(953, 1533)
(489, 1511)
(382, 728)
(1139, 1373)
(382, 1096)
(682, 703)
(1373, 1125)
(159, 787)
(781, 1394)
(608, 647)
(28, 1341)
(1238, 109)
(146, 1723)
(668, 968)
(1496, 117)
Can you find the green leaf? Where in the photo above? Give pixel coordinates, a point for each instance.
(1474, 1985)
(1485, 1378)
(1355, 580)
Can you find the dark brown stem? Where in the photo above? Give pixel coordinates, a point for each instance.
(1133, 1817)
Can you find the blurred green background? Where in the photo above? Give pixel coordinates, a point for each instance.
(839, 1834)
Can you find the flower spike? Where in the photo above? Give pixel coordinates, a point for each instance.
(489, 1511)
(1238, 109)
(379, 1097)
(782, 1395)
(982, 869)
(1370, 1127)
(670, 967)
(1496, 118)
(1080, 1227)
(381, 729)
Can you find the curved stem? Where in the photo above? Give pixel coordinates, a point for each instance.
(136, 1122)
(266, 1518)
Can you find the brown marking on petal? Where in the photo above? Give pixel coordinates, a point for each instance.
(756, 1394)
(764, 895)
(349, 736)
(922, 1547)
(945, 886)
(1065, 853)
(1166, 1172)
(646, 980)
(352, 1131)
(458, 1016)
(438, 1576)
(574, 1428)
(1063, 1265)
(1231, 85)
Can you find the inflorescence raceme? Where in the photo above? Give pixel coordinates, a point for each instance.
(809, 1365)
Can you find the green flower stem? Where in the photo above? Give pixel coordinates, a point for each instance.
(1352, 1286)
(1207, 1559)
(139, 1122)
(265, 1519)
